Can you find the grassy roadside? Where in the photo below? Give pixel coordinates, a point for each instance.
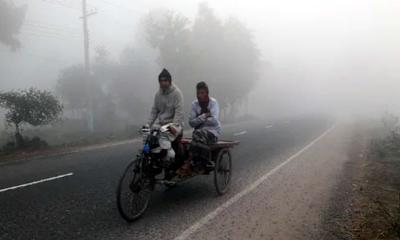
(75, 143)
(58, 150)
(58, 138)
(367, 202)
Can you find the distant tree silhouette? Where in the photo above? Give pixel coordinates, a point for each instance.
(221, 53)
(72, 87)
(32, 106)
(11, 20)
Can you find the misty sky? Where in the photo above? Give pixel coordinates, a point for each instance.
(328, 53)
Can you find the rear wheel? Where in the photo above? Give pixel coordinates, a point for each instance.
(222, 171)
(133, 193)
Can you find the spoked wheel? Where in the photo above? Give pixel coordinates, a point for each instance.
(133, 193)
(223, 171)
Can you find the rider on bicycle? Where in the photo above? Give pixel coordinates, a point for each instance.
(168, 110)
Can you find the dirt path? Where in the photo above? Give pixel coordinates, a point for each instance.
(292, 203)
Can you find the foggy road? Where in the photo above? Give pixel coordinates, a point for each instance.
(73, 196)
(306, 87)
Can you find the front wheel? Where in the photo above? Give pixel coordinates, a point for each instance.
(223, 171)
(133, 193)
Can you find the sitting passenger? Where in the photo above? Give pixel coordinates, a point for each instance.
(204, 118)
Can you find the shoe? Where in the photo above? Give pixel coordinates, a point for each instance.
(184, 170)
(199, 169)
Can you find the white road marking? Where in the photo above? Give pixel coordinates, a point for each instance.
(203, 221)
(36, 182)
(240, 133)
(268, 126)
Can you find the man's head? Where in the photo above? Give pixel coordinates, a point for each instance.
(164, 79)
(202, 91)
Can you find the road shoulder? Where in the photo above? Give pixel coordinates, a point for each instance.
(292, 203)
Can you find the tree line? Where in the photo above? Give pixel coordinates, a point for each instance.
(219, 51)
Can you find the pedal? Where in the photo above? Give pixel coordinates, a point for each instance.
(210, 164)
(170, 183)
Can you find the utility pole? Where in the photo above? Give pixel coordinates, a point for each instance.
(85, 15)
(85, 36)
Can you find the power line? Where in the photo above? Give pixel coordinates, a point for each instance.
(48, 28)
(36, 35)
(49, 25)
(44, 34)
(122, 7)
(45, 58)
(116, 21)
(50, 32)
(62, 4)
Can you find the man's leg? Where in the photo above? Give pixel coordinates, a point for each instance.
(211, 138)
(165, 141)
(202, 138)
(166, 149)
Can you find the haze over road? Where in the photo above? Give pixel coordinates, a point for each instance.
(79, 203)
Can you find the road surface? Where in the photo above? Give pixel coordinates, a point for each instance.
(72, 196)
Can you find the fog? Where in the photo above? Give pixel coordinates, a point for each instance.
(316, 56)
(340, 57)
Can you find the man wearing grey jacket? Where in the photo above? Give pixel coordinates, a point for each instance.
(167, 110)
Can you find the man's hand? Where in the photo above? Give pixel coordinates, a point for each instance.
(145, 128)
(172, 129)
(204, 116)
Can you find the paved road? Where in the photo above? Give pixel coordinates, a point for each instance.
(82, 205)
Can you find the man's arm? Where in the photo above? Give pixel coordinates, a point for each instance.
(178, 106)
(212, 120)
(154, 112)
(194, 120)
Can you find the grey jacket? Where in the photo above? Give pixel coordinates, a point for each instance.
(167, 107)
(212, 123)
